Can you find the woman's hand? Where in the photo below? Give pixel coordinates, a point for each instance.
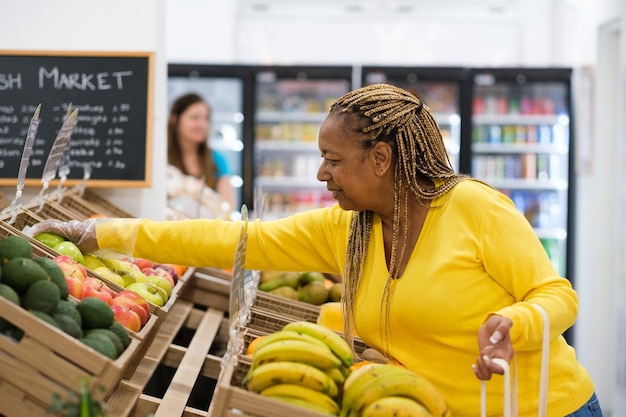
(82, 233)
(493, 342)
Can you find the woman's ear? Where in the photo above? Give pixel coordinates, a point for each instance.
(382, 155)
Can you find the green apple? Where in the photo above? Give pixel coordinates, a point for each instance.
(49, 239)
(148, 291)
(70, 249)
(126, 269)
(161, 282)
(109, 275)
(92, 262)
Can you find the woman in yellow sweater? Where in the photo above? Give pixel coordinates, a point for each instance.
(440, 270)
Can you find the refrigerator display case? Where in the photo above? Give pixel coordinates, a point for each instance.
(290, 105)
(439, 88)
(225, 88)
(520, 143)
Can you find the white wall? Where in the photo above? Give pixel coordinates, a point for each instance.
(114, 25)
(473, 33)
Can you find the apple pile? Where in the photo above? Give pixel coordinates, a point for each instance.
(152, 281)
(129, 308)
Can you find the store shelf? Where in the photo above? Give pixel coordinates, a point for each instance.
(263, 145)
(273, 117)
(515, 148)
(288, 182)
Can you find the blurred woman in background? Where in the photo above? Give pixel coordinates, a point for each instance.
(188, 150)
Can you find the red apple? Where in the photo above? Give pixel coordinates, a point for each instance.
(143, 263)
(70, 267)
(138, 299)
(96, 288)
(170, 269)
(127, 302)
(165, 273)
(148, 271)
(75, 287)
(126, 317)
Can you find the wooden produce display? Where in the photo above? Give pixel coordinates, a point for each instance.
(47, 361)
(175, 368)
(33, 213)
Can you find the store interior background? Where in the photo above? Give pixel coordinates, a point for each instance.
(580, 34)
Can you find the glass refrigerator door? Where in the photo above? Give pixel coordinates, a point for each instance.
(288, 114)
(225, 96)
(520, 145)
(442, 97)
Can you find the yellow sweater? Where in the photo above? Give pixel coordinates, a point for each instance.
(476, 256)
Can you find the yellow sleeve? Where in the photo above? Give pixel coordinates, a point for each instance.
(308, 241)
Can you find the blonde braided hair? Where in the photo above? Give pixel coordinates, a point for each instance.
(397, 117)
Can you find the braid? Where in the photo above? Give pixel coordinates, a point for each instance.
(400, 119)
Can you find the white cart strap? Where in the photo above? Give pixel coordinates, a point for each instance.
(510, 402)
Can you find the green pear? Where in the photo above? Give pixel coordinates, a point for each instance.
(92, 262)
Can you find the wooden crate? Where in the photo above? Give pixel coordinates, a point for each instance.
(52, 210)
(26, 218)
(144, 336)
(103, 205)
(46, 361)
(232, 398)
(194, 360)
(285, 307)
(82, 207)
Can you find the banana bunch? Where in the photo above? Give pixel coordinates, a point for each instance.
(304, 364)
(390, 390)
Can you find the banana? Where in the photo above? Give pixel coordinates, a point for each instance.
(334, 341)
(287, 335)
(396, 407)
(356, 373)
(404, 383)
(336, 375)
(359, 379)
(296, 351)
(304, 393)
(291, 373)
(302, 403)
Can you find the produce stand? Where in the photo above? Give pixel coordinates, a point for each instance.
(188, 335)
(47, 361)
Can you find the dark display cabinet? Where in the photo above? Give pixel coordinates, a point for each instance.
(290, 105)
(521, 136)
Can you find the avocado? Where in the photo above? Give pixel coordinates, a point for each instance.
(119, 346)
(69, 325)
(68, 308)
(55, 273)
(14, 246)
(121, 333)
(102, 344)
(95, 313)
(45, 317)
(42, 296)
(19, 273)
(10, 294)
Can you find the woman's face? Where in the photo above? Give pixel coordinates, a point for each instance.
(194, 123)
(347, 168)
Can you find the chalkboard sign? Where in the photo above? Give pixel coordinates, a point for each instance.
(113, 95)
